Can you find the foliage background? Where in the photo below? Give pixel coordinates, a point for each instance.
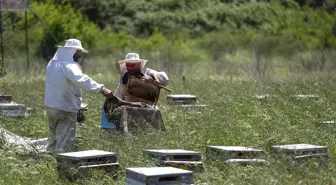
(228, 34)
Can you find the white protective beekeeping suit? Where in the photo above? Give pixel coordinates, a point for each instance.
(160, 77)
(63, 95)
(65, 81)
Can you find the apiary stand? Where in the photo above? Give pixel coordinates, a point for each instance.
(130, 120)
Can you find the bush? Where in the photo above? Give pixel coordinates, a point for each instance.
(172, 32)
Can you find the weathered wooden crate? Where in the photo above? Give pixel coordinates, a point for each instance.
(158, 176)
(12, 109)
(225, 153)
(181, 99)
(84, 164)
(141, 91)
(184, 159)
(298, 153)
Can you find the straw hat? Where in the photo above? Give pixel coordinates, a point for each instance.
(132, 58)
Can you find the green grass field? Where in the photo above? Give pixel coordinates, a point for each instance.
(233, 118)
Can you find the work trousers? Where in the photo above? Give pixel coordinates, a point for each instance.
(62, 130)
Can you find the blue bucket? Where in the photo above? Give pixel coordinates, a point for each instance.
(104, 122)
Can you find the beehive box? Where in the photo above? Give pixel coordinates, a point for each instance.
(246, 161)
(326, 125)
(174, 155)
(181, 99)
(83, 164)
(195, 166)
(158, 176)
(327, 122)
(192, 106)
(306, 96)
(225, 153)
(265, 97)
(184, 159)
(262, 97)
(12, 109)
(300, 152)
(6, 98)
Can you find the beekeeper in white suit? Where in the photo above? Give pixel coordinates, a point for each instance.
(63, 94)
(133, 65)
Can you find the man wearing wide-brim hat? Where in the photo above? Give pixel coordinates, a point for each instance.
(134, 65)
(63, 94)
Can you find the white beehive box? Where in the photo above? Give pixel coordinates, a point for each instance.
(181, 99)
(88, 154)
(192, 106)
(265, 97)
(300, 149)
(327, 125)
(158, 176)
(5, 98)
(327, 122)
(12, 109)
(174, 155)
(306, 96)
(262, 97)
(301, 153)
(245, 161)
(233, 152)
(85, 162)
(184, 159)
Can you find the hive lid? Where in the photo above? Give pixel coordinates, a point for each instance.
(85, 154)
(158, 171)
